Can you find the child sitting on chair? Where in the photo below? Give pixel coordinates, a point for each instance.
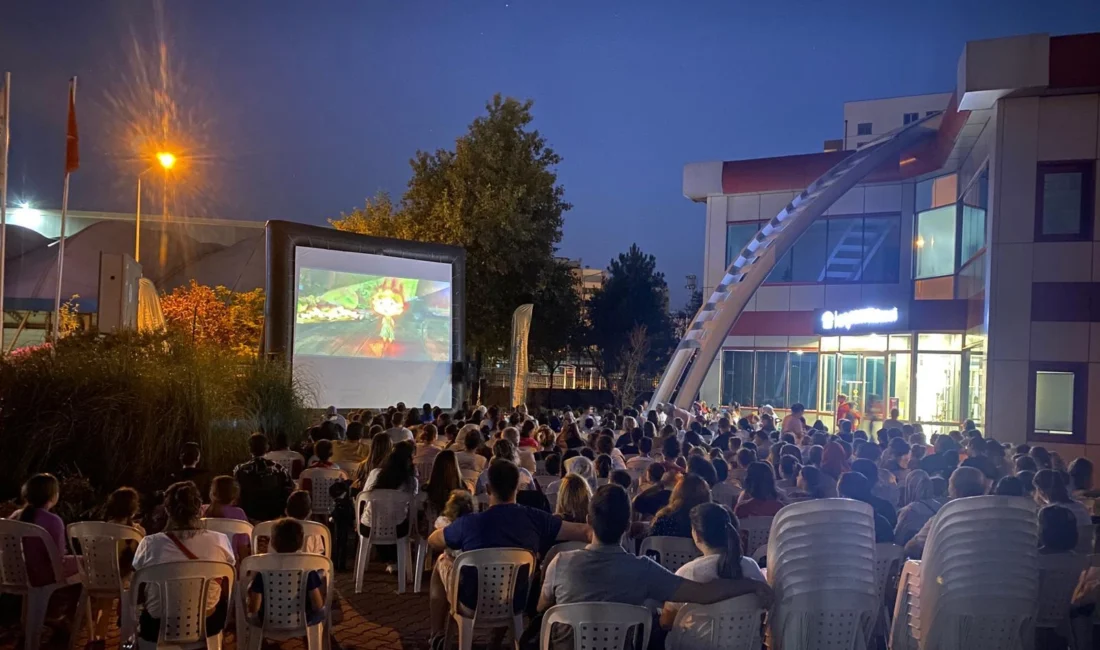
(459, 504)
(300, 506)
(287, 536)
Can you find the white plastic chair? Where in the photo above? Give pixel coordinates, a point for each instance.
(498, 573)
(320, 480)
(469, 477)
(824, 598)
(230, 528)
(597, 626)
(561, 547)
(725, 494)
(732, 624)
(388, 509)
(424, 470)
(670, 552)
(755, 532)
(183, 587)
(15, 580)
(978, 582)
(284, 600)
(1058, 577)
(99, 569)
(420, 503)
(888, 561)
(262, 533)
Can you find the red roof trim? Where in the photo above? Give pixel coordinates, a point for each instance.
(797, 172)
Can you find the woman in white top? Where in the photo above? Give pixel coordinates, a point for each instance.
(504, 448)
(183, 539)
(714, 529)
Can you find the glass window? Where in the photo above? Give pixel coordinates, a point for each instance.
(828, 382)
(909, 118)
(936, 192)
(737, 235)
(1065, 202)
(845, 250)
(882, 249)
(810, 253)
(736, 377)
(900, 342)
(1054, 402)
(804, 379)
(863, 128)
(935, 243)
(771, 379)
(939, 342)
(975, 201)
(938, 378)
(975, 401)
(900, 380)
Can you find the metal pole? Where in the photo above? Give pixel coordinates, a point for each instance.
(60, 260)
(5, 140)
(137, 223)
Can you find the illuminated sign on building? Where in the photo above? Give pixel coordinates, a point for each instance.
(865, 319)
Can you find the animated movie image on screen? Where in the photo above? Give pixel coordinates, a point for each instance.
(343, 314)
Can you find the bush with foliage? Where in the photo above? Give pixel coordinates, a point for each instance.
(116, 408)
(216, 315)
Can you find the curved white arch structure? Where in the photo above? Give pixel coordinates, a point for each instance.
(704, 337)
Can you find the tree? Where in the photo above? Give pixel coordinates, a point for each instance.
(216, 315)
(682, 318)
(496, 195)
(631, 361)
(634, 294)
(556, 325)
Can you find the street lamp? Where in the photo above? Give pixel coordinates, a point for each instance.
(167, 161)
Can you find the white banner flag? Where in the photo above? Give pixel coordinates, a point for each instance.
(521, 327)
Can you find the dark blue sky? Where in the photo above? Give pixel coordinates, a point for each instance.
(303, 109)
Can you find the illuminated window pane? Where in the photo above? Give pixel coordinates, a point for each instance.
(1054, 402)
(737, 377)
(935, 243)
(771, 379)
(737, 235)
(938, 378)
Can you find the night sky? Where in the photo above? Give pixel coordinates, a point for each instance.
(299, 110)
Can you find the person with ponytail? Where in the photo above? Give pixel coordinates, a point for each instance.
(714, 529)
(40, 494)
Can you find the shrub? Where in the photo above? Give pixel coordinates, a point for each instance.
(116, 408)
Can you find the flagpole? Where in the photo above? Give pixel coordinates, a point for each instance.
(64, 210)
(5, 141)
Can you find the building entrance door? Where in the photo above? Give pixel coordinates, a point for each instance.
(863, 377)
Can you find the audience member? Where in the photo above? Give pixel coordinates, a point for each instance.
(759, 497)
(964, 482)
(1051, 489)
(287, 536)
(190, 457)
(1058, 530)
(654, 495)
(674, 520)
(855, 485)
(920, 506)
(264, 485)
(573, 496)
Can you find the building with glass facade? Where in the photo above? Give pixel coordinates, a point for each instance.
(961, 289)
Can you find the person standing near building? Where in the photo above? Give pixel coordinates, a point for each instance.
(845, 411)
(794, 423)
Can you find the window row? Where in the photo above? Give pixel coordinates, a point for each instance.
(836, 250)
(778, 378)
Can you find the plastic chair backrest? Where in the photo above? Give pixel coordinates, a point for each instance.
(498, 573)
(261, 535)
(1084, 539)
(388, 509)
(1058, 577)
(597, 626)
(755, 532)
(725, 494)
(424, 470)
(888, 559)
(732, 624)
(284, 576)
(470, 477)
(670, 552)
(561, 547)
(183, 587)
(320, 480)
(99, 545)
(227, 527)
(13, 564)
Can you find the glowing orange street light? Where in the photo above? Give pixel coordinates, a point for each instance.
(166, 159)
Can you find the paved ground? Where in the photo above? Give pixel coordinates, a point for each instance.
(377, 619)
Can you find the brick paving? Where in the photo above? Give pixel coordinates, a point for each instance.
(377, 619)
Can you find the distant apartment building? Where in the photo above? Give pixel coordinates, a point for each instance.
(958, 282)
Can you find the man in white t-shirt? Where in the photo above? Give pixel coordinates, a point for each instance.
(397, 432)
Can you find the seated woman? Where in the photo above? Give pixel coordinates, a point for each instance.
(788, 470)
(812, 484)
(506, 449)
(674, 520)
(573, 497)
(715, 532)
(653, 494)
(1051, 489)
(854, 485)
(224, 492)
(760, 497)
(921, 506)
(287, 536)
(603, 469)
(183, 539)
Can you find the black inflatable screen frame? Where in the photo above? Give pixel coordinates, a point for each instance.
(284, 236)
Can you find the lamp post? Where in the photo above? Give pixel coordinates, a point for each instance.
(167, 161)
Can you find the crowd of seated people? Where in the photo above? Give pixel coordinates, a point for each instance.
(607, 474)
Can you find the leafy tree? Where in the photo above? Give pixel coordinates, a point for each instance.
(682, 318)
(216, 315)
(634, 294)
(495, 194)
(556, 326)
(631, 362)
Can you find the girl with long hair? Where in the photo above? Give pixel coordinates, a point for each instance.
(444, 479)
(760, 497)
(380, 447)
(1051, 489)
(715, 532)
(40, 494)
(573, 497)
(674, 520)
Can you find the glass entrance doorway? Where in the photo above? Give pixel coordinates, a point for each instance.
(873, 381)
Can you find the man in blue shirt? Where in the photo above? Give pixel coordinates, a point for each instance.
(505, 524)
